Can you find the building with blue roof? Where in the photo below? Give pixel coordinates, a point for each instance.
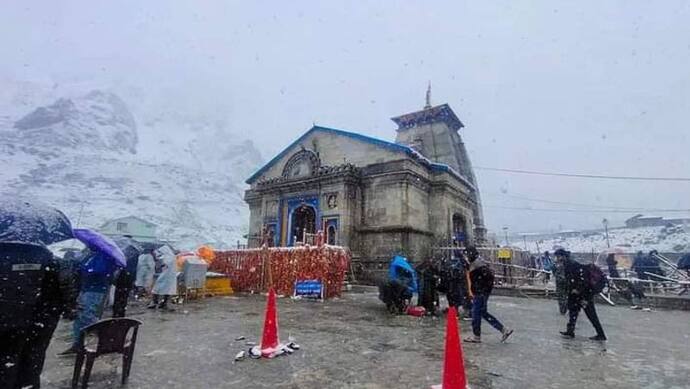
(377, 197)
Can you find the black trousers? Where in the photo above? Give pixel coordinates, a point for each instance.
(22, 355)
(575, 303)
(164, 300)
(12, 343)
(123, 287)
(428, 296)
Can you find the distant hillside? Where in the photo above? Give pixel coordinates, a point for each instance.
(663, 239)
(84, 154)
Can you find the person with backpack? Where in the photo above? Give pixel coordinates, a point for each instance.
(481, 284)
(583, 282)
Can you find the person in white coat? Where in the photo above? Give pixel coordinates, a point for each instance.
(146, 269)
(166, 284)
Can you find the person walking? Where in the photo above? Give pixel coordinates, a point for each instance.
(166, 284)
(612, 265)
(547, 265)
(580, 295)
(146, 269)
(97, 273)
(558, 270)
(482, 282)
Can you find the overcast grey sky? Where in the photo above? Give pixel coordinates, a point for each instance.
(599, 87)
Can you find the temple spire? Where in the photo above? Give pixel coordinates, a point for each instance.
(428, 97)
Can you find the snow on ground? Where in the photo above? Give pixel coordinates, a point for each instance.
(353, 343)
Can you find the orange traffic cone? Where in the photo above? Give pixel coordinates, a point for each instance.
(269, 339)
(453, 364)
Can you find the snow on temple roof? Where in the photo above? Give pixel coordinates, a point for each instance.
(396, 147)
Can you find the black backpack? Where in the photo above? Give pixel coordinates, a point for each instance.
(22, 269)
(595, 278)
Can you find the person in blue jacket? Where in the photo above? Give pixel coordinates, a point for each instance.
(96, 274)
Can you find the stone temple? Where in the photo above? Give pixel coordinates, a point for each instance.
(378, 198)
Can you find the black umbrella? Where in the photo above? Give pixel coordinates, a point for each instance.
(129, 247)
(21, 221)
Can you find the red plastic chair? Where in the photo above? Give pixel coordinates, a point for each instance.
(118, 335)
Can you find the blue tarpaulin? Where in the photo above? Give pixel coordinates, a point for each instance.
(402, 271)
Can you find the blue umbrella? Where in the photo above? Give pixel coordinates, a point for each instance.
(102, 244)
(21, 221)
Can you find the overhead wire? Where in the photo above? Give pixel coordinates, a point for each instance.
(584, 210)
(596, 206)
(579, 175)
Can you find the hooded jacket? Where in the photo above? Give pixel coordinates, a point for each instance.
(166, 284)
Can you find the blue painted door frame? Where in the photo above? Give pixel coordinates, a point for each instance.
(294, 203)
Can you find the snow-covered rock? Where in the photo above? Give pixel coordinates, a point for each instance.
(99, 121)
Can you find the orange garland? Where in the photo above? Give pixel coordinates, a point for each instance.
(245, 267)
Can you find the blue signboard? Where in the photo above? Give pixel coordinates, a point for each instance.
(309, 289)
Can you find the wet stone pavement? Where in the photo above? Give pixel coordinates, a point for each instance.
(352, 342)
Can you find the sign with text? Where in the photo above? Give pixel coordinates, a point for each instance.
(309, 289)
(505, 253)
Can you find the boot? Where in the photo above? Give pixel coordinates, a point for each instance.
(164, 304)
(568, 334)
(154, 302)
(506, 333)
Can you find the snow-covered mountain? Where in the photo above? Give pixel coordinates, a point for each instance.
(663, 239)
(89, 153)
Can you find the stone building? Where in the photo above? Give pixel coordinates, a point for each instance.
(374, 196)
